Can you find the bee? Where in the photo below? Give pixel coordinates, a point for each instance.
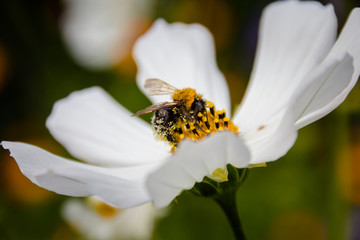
(172, 119)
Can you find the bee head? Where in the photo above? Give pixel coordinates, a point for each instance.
(164, 114)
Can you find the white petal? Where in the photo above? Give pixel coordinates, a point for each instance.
(273, 139)
(121, 187)
(182, 55)
(294, 37)
(192, 162)
(348, 41)
(95, 128)
(99, 33)
(328, 89)
(344, 77)
(131, 223)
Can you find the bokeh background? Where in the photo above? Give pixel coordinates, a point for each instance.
(311, 193)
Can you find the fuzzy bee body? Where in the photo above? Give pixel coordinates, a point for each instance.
(187, 116)
(170, 123)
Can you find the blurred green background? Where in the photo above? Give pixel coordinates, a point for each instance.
(311, 193)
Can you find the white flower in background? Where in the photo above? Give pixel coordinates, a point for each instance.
(96, 220)
(99, 34)
(300, 74)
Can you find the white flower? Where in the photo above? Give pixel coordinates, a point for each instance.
(95, 220)
(301, 74)
(100, 33)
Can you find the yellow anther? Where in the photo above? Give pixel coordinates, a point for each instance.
(216, 120)
(226, 119)
(210, 104)
(199, 114)
(181, 136)
(204, 119)
(220, 129)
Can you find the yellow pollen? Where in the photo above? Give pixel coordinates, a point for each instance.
(193, 119)
(186, 95)
(104, 210)
(208, 124)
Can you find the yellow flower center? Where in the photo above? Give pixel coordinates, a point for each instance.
(193, 119)
(205, 124)
(104, 210)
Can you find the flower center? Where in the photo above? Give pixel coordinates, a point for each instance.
(193, 118)
(104, 210)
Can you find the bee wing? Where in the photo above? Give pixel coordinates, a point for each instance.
(156, 107)
(155, 86)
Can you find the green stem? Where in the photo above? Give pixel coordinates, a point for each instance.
(227, 202)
